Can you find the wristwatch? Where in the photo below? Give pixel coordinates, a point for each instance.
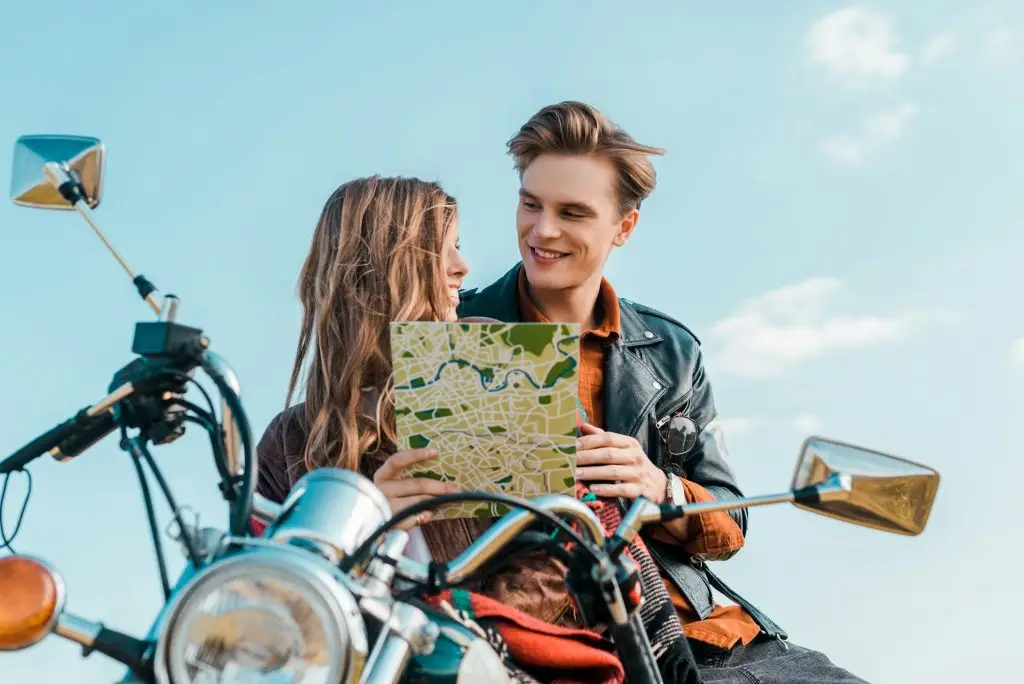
(675, 493)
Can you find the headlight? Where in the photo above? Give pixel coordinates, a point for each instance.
(267, 616)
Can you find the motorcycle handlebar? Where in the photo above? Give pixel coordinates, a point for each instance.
(497, 537)
(78, 432)
(232, 439)
(94, 422)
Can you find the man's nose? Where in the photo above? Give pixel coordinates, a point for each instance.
(546, 227)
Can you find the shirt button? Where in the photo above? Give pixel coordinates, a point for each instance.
(656, 385)
(648, 334)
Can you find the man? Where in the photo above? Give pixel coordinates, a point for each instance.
(642, 383)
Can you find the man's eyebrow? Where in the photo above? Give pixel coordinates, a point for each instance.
(523, 192)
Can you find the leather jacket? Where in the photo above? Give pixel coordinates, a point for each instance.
(656, 373)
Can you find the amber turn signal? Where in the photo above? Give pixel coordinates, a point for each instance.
(31, 599)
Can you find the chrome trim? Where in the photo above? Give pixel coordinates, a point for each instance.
(497, 537)
(731, 504)
(307, 569)
(405, 629)
(265, 509)
(169, 311)
(269, 544)
(334, 507)
(642, 512)
(232, 440)
(77, 629)
(105, 404)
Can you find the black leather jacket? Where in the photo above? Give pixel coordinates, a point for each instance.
(653, 373)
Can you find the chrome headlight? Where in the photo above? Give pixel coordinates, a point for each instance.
(270, 616)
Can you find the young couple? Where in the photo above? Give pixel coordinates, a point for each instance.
(387, 249)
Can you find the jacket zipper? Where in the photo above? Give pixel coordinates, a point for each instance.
(671, 411)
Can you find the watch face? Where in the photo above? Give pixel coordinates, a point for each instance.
(678, 492)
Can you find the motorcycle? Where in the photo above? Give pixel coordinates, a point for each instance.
(323, 593)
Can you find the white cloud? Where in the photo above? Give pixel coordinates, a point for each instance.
(1000, 46)
(844, 149)
(1017, 352)
(856, 46)
(937, 47)
(725, 429)
(888, 126)
(879, 130)
(773, 333)
(807, 423)
(734, 426)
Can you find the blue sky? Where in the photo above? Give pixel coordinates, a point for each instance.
(838, 218)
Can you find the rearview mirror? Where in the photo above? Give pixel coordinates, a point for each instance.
(877, 490)
(80, 156)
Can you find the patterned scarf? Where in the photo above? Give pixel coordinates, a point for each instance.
(659, 617)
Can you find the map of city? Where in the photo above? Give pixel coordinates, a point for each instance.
(498, 402)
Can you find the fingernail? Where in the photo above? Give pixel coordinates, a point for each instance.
(451, 488)
(579, 443)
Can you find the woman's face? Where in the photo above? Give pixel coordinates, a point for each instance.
(455, 269)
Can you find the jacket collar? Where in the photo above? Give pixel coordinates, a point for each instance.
(635, 332)
(500, 300)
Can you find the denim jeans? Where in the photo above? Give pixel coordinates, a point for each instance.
(768, 661)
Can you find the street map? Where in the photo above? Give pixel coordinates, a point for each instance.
(498, 402)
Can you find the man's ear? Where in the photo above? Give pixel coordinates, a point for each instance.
(626, 227)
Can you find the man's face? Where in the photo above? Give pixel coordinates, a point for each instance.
(568, 220)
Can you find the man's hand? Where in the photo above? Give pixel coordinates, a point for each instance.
(613, 458)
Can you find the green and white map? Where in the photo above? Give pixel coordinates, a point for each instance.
(497, 401)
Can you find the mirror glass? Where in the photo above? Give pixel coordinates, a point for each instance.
(82, 155)
(882, 491)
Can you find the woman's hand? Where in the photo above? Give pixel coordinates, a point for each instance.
(402, 492)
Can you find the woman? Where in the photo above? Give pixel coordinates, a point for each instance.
(384, 249)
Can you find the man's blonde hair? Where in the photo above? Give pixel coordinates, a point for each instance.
(576, 128)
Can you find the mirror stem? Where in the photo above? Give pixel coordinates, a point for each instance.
(69, 186)
(729, 504)
(644, 512)
(834, 488)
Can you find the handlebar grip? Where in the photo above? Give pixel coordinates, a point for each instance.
(39, 446)
(87, 434)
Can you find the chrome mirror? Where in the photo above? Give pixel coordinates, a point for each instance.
(77, 158)
(864, 487)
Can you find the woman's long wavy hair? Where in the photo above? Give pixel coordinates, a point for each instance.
(375, 258)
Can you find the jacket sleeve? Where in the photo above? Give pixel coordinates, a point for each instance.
(272, 474)
(707, 476)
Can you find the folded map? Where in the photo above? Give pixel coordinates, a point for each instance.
(497, 400)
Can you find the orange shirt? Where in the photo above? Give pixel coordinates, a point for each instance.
(710, 533)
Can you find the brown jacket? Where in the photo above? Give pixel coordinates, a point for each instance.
(533, 584)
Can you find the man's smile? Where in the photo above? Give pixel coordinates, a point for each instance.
(546, 256)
